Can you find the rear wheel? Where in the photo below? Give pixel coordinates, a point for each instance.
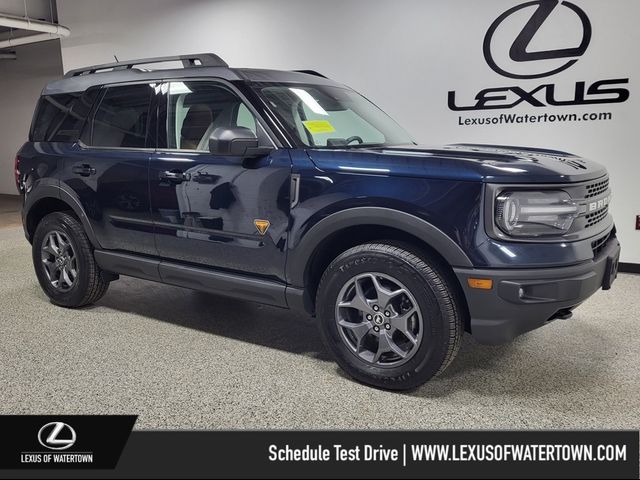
(64, 263)
(390, 317)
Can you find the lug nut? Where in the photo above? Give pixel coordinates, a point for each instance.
(387, 326)
(369, 317)
(376, 308)
(376, 328)
(387, 313)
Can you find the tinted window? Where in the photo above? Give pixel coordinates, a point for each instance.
(121, 118)
(196, 109)
(60, 118)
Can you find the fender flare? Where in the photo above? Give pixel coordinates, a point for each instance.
(434, 237)
(57, 191)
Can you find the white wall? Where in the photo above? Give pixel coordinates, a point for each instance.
(21, 82)
(404, 55)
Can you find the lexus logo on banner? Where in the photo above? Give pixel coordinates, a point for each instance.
(63, 441)
(57, 436)
(518, 45)
(520, 50)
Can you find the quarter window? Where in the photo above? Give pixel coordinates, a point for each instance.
(60, 118)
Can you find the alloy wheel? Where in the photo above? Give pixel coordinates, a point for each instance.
(379, 319)
(59, 260)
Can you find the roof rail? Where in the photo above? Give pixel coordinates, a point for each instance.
(311, 72)
(193, 60)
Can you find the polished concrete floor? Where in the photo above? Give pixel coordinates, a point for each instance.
(10, 206)
(186, 360)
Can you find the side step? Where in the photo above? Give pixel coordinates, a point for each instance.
(242, 287)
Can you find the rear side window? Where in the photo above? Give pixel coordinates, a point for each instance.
(122, 117)
(60, 118)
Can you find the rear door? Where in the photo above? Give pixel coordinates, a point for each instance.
(217, 211)
(108, 168)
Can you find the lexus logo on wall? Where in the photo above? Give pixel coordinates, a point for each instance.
(538, 39)
(57, 436)
(539, 62)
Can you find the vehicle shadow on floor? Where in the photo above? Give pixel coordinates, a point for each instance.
(536, 362)
(249, 322)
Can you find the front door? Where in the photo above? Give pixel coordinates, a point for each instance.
(221, 212)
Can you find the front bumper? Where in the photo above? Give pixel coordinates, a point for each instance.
(522, 300)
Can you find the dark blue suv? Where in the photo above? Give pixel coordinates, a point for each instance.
(289, 189)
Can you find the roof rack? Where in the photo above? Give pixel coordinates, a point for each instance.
(194, 60)
(311, 72)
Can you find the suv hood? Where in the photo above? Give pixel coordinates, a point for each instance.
(486, 163)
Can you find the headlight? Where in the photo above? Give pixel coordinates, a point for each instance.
(535, 214)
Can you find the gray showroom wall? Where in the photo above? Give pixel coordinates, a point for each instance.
(406, 55)
(21, 82)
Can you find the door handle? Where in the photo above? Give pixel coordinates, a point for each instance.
(83, 170)
(174, 176)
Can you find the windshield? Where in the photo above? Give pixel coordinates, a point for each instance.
(321, 116)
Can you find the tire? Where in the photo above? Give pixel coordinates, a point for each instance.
(62, 232)
(425, 325)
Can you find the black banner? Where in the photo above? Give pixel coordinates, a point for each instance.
(308, 454)
(63, 441)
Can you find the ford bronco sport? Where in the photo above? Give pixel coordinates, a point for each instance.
(290, 189)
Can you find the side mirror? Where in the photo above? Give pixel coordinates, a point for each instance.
(236, 142)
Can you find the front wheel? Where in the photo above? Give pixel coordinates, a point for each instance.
(390, 317)
(64, 263)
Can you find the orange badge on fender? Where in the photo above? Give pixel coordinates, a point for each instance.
(262, 226)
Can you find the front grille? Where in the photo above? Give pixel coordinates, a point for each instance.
(595, 189)
(596, 217)
(591, 221)
(598, 245)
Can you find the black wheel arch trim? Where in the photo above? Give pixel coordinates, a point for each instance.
(300, 255)
(59, 192)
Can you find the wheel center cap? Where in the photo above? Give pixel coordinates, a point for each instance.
(378, 319)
